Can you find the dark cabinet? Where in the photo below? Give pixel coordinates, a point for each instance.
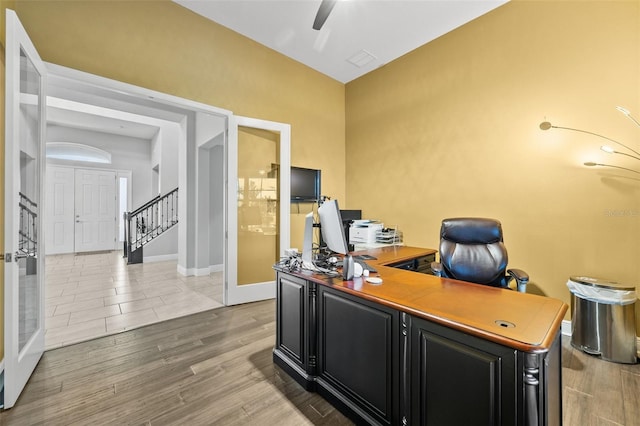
(358, 355)
(495, 384)
(459, 379)
(295, 335)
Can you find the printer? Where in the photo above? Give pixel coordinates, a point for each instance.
(364, 231)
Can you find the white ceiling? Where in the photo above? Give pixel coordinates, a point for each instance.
(378, 30)
(65, 113)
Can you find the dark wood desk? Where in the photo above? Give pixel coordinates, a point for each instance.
(418, 349)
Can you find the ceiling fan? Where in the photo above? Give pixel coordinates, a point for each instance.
(323, 13)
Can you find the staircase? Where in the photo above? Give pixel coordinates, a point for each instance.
(27, 235)
(147, 222)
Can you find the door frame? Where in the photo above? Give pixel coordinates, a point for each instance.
(245, 293)
(120, 173)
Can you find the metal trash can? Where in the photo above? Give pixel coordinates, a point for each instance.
(603, 318)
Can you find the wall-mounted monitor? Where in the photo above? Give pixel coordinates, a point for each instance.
(305, 185)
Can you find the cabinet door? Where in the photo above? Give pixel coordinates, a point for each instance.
(459, 379)
(295, 336)
(358, 355)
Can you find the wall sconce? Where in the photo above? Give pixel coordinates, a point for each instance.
(545, 125)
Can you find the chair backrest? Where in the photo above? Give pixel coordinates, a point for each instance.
(472, 249)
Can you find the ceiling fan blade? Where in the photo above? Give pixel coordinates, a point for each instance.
(323, 13)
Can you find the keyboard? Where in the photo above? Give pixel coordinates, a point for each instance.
(361, 262)
(365, 265)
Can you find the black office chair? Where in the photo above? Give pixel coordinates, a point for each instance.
(472, 249)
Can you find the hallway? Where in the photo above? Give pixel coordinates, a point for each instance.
(96, 294)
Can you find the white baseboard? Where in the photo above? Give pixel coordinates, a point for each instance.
(182, 270)
(189, 272)
(200, 272)
(216, 268)
(565, 329)
(159, 258)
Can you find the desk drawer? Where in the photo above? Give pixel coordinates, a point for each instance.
(423, 264)
(420, 264)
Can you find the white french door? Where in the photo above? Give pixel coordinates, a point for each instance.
(95, 210)
(258, 165)
(59, 208)
(25, 102)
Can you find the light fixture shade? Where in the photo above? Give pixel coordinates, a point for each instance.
(592, 164)
(623, 110)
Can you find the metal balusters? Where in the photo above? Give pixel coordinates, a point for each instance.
(28, 238)
(150, 221)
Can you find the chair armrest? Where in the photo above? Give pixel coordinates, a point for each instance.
(521, 277)
(437, 268)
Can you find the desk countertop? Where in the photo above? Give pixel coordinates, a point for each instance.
(474, 309)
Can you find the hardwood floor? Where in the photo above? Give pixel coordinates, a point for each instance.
(213, 367)
(597, 392)
(216, 367)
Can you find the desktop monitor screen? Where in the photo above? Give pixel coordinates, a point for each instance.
(307, 245)
(332, 228)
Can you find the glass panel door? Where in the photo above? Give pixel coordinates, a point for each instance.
(257, 207)
(24, 260)
(28, 203)
(258, 204)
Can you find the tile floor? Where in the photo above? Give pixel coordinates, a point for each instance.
(97, 294)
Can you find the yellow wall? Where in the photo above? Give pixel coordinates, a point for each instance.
(451, 129)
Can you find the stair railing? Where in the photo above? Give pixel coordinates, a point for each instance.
(28, 238)
(148, 222)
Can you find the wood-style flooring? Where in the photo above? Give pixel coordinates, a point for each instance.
(216, 368)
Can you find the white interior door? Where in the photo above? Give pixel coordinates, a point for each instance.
(59, 208)
(95, 220)
(258, 202)
(24, 167)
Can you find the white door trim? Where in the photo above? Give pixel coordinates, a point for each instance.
(235, 293)
(185, 240)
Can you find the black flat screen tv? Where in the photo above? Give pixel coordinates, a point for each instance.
(305, 185)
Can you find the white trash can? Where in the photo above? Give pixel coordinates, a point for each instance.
(603, 318)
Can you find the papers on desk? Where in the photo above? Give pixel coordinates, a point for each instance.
(389, 236)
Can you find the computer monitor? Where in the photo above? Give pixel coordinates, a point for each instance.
(307, 244)
(332, 228)
(348, 216)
